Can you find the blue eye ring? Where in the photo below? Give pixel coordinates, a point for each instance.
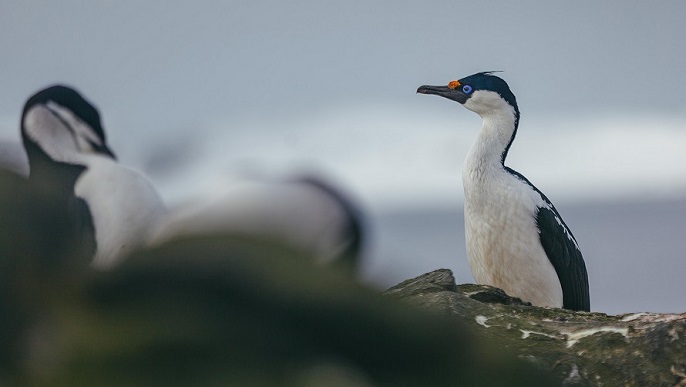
(466, 89)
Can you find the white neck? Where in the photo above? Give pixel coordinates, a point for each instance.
(499, 120)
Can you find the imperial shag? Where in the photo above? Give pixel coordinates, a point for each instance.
(307, 213)
(516, 240)
(65, 142)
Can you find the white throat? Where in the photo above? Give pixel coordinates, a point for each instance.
(499, 119)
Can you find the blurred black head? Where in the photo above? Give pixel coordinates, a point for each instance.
(60, 99)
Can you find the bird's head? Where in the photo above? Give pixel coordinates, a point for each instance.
(481, 93)
(60, 122)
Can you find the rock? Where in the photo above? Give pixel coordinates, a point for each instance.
(226, 311)
(640, 349)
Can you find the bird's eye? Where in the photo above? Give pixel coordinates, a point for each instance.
(466, 89)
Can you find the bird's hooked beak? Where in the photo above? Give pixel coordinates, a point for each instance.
(451, 92)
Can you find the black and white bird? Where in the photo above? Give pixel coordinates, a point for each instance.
(65, 142)
(307, 213)
(516, 240)
(120, 211)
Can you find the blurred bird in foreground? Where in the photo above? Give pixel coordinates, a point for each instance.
(229, 311)
(119, 211)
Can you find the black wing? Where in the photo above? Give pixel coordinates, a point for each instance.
(562, 251)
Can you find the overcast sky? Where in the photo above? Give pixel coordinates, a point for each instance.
(195, 90)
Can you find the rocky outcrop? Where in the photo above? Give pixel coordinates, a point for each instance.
(640, 349)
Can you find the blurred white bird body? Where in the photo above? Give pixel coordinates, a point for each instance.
(124, 205)
(298, 213)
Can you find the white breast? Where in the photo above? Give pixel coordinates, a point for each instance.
(503, 245)
(286, 212)
(124, 206)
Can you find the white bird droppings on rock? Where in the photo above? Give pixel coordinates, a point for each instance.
(481, 320)
(573, 338)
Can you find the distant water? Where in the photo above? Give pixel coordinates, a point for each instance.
(635, 252)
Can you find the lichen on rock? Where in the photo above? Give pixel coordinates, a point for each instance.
(581, 348)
